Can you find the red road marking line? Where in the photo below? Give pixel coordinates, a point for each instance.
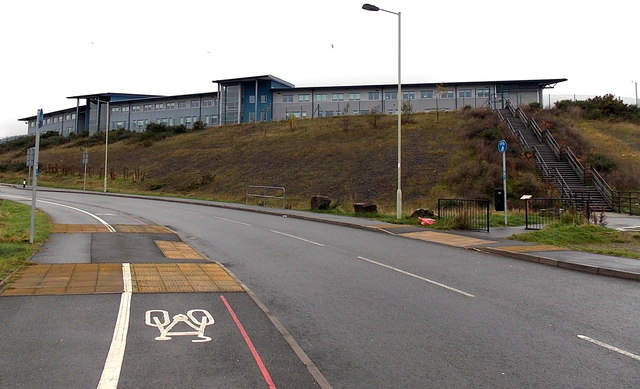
(254, 352)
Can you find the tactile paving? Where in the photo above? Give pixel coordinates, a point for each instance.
(177, 250)
(163, 278)
(46, 279)
(447, 239)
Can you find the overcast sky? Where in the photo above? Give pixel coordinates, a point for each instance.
(54, 49)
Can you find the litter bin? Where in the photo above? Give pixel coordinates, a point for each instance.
(498, 199)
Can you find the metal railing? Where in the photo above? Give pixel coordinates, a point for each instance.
(540, 212)
(574, 163)
(266, 193)
(626, 202)
(465, 214)
(602, 186)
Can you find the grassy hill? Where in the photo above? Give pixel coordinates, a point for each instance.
(350, 159)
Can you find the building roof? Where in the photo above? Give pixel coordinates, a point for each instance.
(267, 77)
(119, 96)
(538, 83)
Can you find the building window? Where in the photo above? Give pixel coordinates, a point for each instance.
(48, 121)
(447, 94)
(426, 94)
(125, 109)
(374, 95)
(210, 119)
(171, 105)
(73, 116)
(337, 97)
(159, 106)
(67, 116)
(182, 104)
(354, 96)
(287, 98)
(320, 97)
(119, 124)
(115, 109)
(195, 103)
(263, 99)
(409, 95)
(252, 99)
(135, 108)
(464, 93)
(147, 107)
(303, 98)
(263, 116)
(207, 103)
(390, 95)
(482, 92)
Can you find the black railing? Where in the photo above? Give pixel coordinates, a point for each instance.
(626, 202)
(540, 212)
(464, 214)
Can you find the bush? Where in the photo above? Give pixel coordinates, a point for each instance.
(601, 162)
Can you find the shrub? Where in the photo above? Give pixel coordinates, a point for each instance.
(601, 162)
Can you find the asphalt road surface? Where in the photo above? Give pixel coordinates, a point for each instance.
(370, 310)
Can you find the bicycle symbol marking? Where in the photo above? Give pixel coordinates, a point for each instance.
(197, 319)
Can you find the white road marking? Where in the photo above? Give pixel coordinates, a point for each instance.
(113, 364)
(297, 237)
(418, 277)
(190, 319)
(111, 229)
(233, 221)
(610, 347)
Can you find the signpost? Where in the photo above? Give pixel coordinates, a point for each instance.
(502, 148)
(34, 184)
(30, 156)
(85, 162)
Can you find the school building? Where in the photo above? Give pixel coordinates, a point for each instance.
(268, 98)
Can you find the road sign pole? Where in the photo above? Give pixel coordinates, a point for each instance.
(85, 161)
(502, 148)
(34, 184)
(504, 186)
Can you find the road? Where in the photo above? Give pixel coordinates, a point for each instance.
(378, 311)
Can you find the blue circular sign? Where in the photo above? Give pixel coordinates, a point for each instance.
(502, 146)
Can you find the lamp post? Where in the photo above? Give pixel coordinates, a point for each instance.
(636, 84)
(371, 7)
(106, 142)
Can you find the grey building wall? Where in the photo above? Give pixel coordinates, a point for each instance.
(323, 102)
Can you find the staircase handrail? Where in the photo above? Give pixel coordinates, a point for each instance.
(565, 190)
(553, 144)
(541, 164)
(602, 186)
(536, 129)
(523, 141)
(511, 108)
(574, 163)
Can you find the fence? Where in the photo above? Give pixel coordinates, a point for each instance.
(542, 211)
(464, 214)
(265, 194)
(626, 202)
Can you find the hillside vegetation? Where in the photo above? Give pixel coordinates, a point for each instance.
(349, 159)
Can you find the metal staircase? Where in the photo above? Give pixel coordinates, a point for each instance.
(557, 165)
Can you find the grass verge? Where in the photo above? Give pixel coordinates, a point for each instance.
(588, 238)
(15, 222)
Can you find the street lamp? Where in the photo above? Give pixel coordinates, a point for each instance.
(106, 142)
(371, 7)
(636, 84)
